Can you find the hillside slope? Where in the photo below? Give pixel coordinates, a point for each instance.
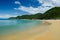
(53, 13)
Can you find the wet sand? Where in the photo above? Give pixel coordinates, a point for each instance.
(48, 30)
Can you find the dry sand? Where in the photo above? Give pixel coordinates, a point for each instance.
(45, 32)
(53, 33)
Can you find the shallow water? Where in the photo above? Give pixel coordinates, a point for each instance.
(10, 26)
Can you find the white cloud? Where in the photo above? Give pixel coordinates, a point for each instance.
(7, 16)
(32, 10)
(41, 9)
(50, 2)
(56, 2)
(17, 2)
(46, 5)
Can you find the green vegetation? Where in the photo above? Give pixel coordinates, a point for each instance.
(53, 13)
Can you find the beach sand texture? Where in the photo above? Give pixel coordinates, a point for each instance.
(53, 33)
(39, 33)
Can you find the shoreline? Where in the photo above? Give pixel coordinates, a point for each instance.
(52, 33)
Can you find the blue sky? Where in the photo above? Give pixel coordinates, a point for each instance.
(12, 8)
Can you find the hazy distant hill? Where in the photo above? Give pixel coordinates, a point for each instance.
(3, 18)
(53, 13)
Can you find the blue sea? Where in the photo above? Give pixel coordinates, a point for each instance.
(10, 26)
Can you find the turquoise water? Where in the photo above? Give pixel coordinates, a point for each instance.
(9, 26)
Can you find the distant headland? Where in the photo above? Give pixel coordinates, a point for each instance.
(53, 13)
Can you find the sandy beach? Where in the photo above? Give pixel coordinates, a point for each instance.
(46, 31)
(53, 33)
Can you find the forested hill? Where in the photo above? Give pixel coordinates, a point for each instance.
(53, 13)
